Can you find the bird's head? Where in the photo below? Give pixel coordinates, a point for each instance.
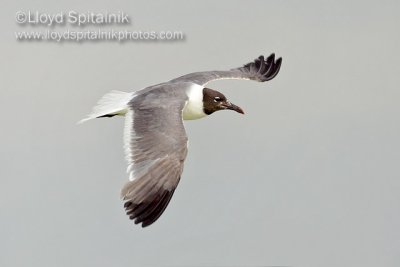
(214, 101)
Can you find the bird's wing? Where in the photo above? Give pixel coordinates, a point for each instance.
(260, 70)
(156, 147)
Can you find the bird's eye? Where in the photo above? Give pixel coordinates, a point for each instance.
(217, 99)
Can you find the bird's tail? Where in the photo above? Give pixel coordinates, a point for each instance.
(111, 104)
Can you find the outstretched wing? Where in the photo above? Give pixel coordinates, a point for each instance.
(156, 147)
(260, 70)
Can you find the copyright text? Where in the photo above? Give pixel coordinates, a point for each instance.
(71, 17)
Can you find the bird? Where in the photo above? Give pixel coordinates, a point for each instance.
(155, 141)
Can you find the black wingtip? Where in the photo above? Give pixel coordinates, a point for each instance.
(263, 69)
(273, 67)
(146, 213)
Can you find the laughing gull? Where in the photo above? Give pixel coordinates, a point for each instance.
(155, 139)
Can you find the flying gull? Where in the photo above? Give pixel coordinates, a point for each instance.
(155, 140)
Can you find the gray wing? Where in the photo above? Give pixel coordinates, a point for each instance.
(156, 147)
(260, 70)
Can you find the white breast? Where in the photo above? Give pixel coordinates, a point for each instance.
(193, 109)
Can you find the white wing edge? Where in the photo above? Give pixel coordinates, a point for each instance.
(128, 136)
(135, 169)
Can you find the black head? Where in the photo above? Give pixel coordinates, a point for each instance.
(214, 101)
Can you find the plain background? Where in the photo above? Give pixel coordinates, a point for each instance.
(308, 177)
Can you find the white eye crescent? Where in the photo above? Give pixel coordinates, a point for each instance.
(217, 98)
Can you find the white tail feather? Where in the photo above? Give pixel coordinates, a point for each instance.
(112, 103)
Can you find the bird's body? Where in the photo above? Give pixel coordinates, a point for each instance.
(154, 136)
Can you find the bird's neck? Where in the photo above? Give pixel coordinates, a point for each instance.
(194, 108)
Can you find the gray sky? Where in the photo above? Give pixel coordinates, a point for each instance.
(308, 177)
